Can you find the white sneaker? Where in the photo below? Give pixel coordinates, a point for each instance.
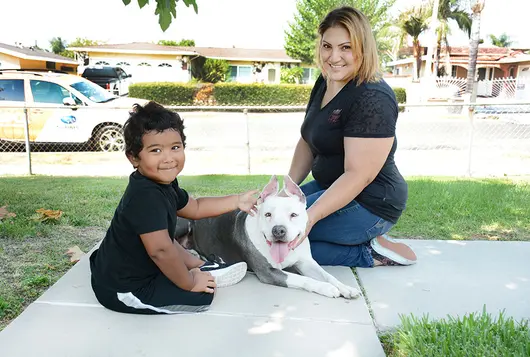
(225, 274)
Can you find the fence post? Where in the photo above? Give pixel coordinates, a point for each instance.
(245, 113)
(26, 137)
(470, 114)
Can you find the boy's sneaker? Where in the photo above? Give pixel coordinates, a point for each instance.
(225, 274)
(389, 252)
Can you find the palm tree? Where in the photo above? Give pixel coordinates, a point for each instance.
(449, 10)
(476, 7)
(413, 23)
(501, 41)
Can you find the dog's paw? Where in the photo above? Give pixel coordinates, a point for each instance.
(348, 292)
(328, 290)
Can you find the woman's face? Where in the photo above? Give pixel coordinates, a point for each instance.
(336, 54)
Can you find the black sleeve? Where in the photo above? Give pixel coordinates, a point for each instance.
(182, 195)
(147, 212)
(372, 115)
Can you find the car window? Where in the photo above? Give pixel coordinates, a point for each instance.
(48, 92)
(93, 92)
(99, 72)
(12, 90)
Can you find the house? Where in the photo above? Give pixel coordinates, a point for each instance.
(492, 62)
(153, 62)
(19, 57)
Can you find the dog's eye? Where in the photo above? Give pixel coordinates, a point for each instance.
(268, 214)
(294, 215)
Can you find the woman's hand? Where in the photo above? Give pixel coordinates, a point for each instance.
(311, 221)
(247, 202)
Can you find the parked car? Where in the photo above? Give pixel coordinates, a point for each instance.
(63, 108)
(113, 79)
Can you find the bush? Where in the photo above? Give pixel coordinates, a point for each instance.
(170, 93)
(401, 96)
(261, 94)
(216, 70)
(291, 75)
(167, 93)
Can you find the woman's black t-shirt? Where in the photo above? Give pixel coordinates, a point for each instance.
(368, 110)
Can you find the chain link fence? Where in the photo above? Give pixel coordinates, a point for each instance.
(447, 139)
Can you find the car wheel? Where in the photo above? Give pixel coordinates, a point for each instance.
(110, 138)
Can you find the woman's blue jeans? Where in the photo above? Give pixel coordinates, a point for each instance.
(343, 237)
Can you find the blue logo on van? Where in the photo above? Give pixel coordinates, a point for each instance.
(69, 119)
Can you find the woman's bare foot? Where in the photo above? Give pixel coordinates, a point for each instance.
(388, 252)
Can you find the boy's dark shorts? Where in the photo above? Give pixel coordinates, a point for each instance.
(160, 296)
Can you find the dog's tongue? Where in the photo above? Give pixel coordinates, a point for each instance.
(279, 251)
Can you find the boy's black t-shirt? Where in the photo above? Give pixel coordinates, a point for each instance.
(369, 110)
(121, 263)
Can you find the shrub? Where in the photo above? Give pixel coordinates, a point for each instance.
(261, 94)
(216, 70)
(167, 93)
(291, 75)
(401, 96)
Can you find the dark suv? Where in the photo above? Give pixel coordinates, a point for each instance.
(113, 79)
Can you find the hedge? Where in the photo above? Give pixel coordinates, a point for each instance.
(167, 93)
(170, 93)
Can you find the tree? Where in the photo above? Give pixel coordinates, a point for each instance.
(182, 43)
(476, 8)
(413, 23)
(79, 42)
(449, 10)
(501, 41)
(58, 45)
(165, 9)
(301, 36)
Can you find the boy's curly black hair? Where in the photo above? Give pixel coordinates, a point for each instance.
(150, 117)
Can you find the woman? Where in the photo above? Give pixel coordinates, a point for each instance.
(348, 142)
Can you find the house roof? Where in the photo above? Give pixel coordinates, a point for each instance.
(487, 55)
(234, 54)
(31, 53)
(137, 47)
(246, 54)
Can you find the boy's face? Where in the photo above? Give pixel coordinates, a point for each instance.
(162, 157)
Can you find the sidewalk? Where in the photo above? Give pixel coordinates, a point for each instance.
(451, 277)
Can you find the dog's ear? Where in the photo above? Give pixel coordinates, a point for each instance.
(292, 189)
(270, 189)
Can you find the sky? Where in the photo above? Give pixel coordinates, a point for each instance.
(219, 23)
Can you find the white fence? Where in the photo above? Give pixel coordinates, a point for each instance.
(433, 139)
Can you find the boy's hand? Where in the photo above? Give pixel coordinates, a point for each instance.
(203, 281)
(247, 202)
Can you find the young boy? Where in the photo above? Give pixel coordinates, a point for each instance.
(139, 267)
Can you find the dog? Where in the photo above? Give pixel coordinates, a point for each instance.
(264, 241)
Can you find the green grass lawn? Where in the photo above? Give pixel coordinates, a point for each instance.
(475, 334)
(32, 254)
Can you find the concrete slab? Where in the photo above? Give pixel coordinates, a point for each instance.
(248, 298)
(60, 331)
(452, 278)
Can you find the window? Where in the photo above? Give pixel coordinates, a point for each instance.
(12, 90)
(165, 65)
(67, 68)
(454, 69)
(309, 75)
(272, 75)
(50, 65)
(144, 64)
(240, 73)
(51, 93)
(102, 63)
(123, 64)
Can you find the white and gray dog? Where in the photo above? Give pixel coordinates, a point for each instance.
(264, 241)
